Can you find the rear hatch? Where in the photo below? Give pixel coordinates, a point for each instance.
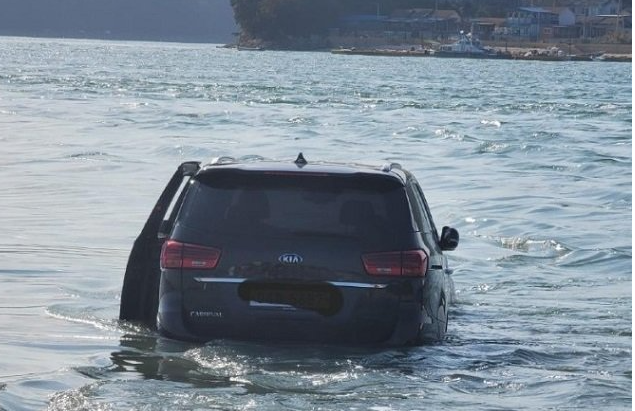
(289, 253)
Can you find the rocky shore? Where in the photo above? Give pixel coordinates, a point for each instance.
(605, 51)
(505, 49)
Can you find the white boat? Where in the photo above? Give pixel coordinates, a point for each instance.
(247, 48)
(466, 46)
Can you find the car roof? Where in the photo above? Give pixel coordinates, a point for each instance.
(301, 166)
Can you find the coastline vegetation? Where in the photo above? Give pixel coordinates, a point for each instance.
(274, 20)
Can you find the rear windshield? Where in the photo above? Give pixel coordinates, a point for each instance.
(373, 210)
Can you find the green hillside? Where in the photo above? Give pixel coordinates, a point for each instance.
(278, 19)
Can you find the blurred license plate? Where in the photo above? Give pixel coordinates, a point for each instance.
(323, 298)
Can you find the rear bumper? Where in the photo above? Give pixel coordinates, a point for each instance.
(371, 314)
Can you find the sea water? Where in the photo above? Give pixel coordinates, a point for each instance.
(531, 161)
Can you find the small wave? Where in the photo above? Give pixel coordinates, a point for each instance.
(153, 395)
(97, 156)
(535, 248)
(416, 105)
(89, 154)
(585, 258)
(529, 148)
(135, 104)
(194, 116)
(185, 151)
(60, 250)
(276, 101)
(64, 313)
(612, 160)
(410, 130)
(468, 384)
(83, 398)
(218, 362)
(546, 135)
(447, 134)
(92, 293)
(534, 358)
(494, 147)
(300, 120)
(24, 272)
(494, 123)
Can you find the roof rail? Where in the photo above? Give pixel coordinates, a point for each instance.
(222, 160)
(389, 166)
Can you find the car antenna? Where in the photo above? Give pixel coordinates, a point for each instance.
(300, 161)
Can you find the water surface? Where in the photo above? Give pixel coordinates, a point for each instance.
(531, 161)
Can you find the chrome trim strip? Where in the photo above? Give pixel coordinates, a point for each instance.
(271, 305)
(349, 284)
(357, 285)
(227, 280)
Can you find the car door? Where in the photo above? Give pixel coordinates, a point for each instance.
(139, 294)
(435, 289)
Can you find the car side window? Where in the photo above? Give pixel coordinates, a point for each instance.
(421, 198)
(426, 225)
(417, 207)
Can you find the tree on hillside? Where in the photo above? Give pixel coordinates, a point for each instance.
(272, 19)
(383, 6)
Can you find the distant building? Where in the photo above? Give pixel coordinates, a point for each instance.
(611, 25)
(541, 23)
(403, 25)
(590, 8)
(599, 18)
(581, 19)
(489, 28)
(566, 27)
(420, 23)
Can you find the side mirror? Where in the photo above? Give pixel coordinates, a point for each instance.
(449, 239)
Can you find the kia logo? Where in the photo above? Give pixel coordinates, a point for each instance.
(290, 258)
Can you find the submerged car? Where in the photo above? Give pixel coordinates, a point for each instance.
(291, 251)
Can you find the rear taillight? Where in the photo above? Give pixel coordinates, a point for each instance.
(413, 263)
(175, 254)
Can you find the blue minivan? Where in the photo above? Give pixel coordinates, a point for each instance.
(291, 251)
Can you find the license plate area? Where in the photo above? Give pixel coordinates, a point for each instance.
(322, 298)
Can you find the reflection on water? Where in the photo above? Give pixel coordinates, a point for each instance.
(159, 373)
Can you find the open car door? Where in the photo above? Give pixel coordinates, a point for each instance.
(140, 292)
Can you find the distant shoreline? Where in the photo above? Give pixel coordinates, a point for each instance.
(106, 37)
(516, 49)
(610, 51)
(515, 54)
